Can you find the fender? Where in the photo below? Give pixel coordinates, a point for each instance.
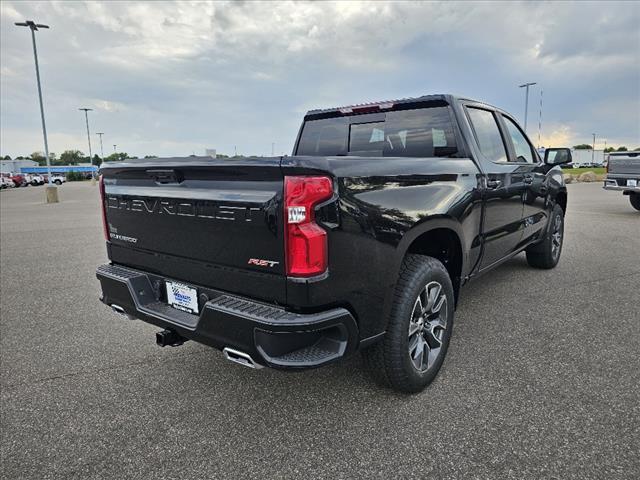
(425, 226)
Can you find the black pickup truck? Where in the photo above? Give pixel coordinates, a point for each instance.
(360, 241)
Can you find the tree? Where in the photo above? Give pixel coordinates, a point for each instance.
(7, 157)
(582, 146)
(116, 157)
(609, 149)
(71, 157)
(622, 149)
(39, 157)
(150, 156)
(636, 149)
(96, 159)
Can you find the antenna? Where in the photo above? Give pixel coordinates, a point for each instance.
(540, 119)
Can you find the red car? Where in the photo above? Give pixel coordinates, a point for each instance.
(18, 179)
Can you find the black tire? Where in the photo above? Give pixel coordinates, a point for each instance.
(634, 198)
(57, 182)
(390, 361)
(546, 254)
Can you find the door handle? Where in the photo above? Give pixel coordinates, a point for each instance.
(493, 184)
(528, 179)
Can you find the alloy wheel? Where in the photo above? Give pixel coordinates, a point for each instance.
(556, 236)
(427, 326)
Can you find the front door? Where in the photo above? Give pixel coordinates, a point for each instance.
(521, 152)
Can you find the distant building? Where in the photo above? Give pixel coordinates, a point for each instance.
(210, 152)
(582, 157)
(14, 166)
(59, 169)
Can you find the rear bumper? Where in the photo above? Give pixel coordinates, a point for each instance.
(271, 335)
(619, 182)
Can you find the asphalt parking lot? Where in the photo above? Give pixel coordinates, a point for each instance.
(541, 379)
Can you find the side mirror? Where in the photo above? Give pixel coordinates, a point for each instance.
(557, 156)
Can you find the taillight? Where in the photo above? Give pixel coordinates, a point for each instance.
(305, 240)
(103, 207)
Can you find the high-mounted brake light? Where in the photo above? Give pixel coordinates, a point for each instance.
(103, 206)
(366, 108)
(305, 240)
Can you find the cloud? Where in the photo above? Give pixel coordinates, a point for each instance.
(170, 78)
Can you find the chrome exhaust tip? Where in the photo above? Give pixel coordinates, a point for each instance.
(120, 311)
(241, 358)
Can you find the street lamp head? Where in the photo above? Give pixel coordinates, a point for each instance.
(86, 109)
(32, 25)
(527, 84)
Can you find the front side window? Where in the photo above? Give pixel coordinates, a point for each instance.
(524, 152)
(487, 134)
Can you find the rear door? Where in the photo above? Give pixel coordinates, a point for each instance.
(213, 222)
(503, 186)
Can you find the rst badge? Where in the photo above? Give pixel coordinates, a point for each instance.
(259, 262)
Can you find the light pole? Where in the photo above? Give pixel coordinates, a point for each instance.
(86, 118)
(101, 151)
(593, 148)
(114, 148)
(33, 26)
(526, 102)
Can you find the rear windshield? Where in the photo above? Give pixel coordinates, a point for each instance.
(426, 132)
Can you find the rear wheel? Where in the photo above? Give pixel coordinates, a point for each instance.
(419, 328)
(546, 254)
(634, 198)
(57, 182)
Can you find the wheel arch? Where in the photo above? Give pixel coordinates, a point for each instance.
(441, 239)
(561, 199)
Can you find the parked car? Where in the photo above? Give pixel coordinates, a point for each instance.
(623, 174)
(37, 180)
(18, 179)
(56, 178)
(360, 241)
(6, 182)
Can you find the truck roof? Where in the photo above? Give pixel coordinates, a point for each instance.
(439, 99)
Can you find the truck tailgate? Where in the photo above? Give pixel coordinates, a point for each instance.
(213, 221)
(624, 163)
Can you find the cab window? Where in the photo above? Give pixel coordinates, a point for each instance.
(522, 147)
(488, 134)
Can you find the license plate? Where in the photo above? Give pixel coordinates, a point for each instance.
(182, 297)
(632, 183)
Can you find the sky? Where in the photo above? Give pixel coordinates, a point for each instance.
(175, 78)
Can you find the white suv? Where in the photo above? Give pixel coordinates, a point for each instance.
(58, 179)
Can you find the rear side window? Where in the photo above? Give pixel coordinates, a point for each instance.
(425, 132)
(487, 134)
